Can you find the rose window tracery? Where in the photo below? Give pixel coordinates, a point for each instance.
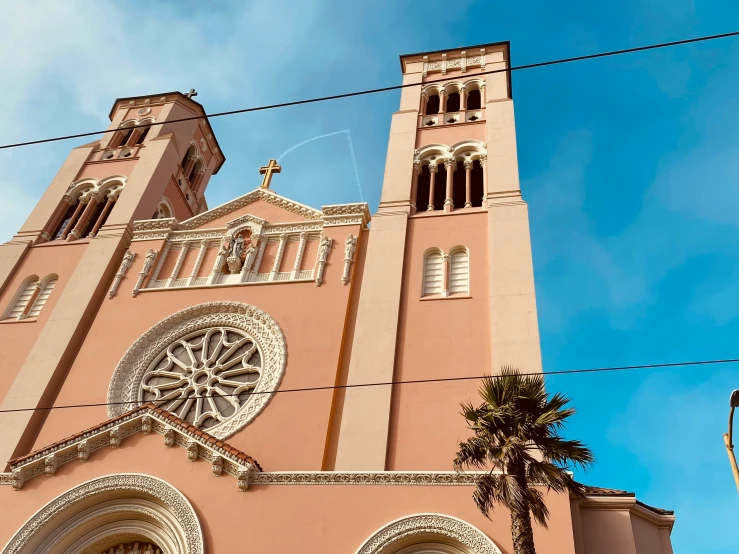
(205, 377)
(216, 365)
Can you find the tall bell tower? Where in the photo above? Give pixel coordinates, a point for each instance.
(55, 271)
(448, 287)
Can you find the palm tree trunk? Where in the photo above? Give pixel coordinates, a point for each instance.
(522, 533)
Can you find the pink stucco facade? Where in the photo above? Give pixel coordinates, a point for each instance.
(223, 316)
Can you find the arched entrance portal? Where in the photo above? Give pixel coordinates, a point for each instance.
(114, 511)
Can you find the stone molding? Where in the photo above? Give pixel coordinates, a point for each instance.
(442, 526)
(145, 420)
(413, 478)
(72, 503)
(245, 200)
(123, 392)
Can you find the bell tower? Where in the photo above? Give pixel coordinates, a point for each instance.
(448, 286)
(55, 271)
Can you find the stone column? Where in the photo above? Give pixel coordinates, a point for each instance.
(433, 168)
(78, 210)
(468, 183)
(424, 102)
(198, 263)
(449, 201)
(56, 217)
(445, 267)
(92, 202)
(177, 265)
(442, 101)
(483, 164)
(160, 263)
(278, 257)
(31, 301)
(299, 255)
(482, 95)
(462, 99)
(111, 198)
(414, 185)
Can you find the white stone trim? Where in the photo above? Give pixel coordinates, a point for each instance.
(59, 517)
(448, 529)
(48, 460)
(266, 333)
(411, 478)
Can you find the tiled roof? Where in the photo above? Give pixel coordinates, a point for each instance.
(164, 414)
(601, 491)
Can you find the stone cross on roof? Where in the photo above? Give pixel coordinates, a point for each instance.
(267, 171)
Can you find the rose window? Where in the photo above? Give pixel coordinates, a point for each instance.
(205, 377)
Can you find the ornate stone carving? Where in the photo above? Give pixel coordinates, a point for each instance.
(146, 425)
(115, 437)
(169, 438)
(192, 450)
(83, 450)
(424, 478)
(324, 249)
(148, 263)
(445, 527)
(50, 464)
(261, 329)
(245, 200)
(72, 502)
(122, 270)
(350, 249)
(217, 465)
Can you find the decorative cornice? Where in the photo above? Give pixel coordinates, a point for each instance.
(167, 224)
(245, 200)
(364, 478)
(113, 433)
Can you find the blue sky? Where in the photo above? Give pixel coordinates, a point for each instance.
(630, 167)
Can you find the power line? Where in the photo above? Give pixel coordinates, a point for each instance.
(385, 89)
(410, 382)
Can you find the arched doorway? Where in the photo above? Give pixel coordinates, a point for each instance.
(112, 512)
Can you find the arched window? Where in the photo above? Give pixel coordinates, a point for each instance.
(18, 307)
(433, 273)
(474, 100)
(422, 189)
(66, 219)
(122, 137)
(440, 186)
(47, 285)
(452, 102)
(188, 158)
(477, 185)
(459, 186)
(193, 175)
(459, 271)
(432, 104)
(141, 135)
(164, 210)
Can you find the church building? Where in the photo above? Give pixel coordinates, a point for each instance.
(203, 362)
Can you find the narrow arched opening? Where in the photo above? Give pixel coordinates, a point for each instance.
(459, 187)
(440, 187)
(422, 189)
(432, 104)
(452, 102)
(474, 100)
(477, 184)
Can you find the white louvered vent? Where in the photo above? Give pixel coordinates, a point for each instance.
(22, 300)
(459, 274)
(42, 297)
(432, 274)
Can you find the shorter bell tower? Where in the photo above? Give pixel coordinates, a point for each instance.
(154, 162)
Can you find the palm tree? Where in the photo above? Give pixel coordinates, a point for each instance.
(517, 442)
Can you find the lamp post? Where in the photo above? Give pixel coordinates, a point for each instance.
(733, 403)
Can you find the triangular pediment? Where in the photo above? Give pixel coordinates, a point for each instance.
(146, 419)
(261, 203)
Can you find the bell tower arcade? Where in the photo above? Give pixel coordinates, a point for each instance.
(448, 287)
(57, 268)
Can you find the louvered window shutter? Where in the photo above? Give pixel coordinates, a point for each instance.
(432, 274)
(22, 300)
(42, 297)
(459, 274)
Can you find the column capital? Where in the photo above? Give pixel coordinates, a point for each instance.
(468, 164)
(417, 164)
(451, 163)
(69, 199)
(433, 168)
(483, 159)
